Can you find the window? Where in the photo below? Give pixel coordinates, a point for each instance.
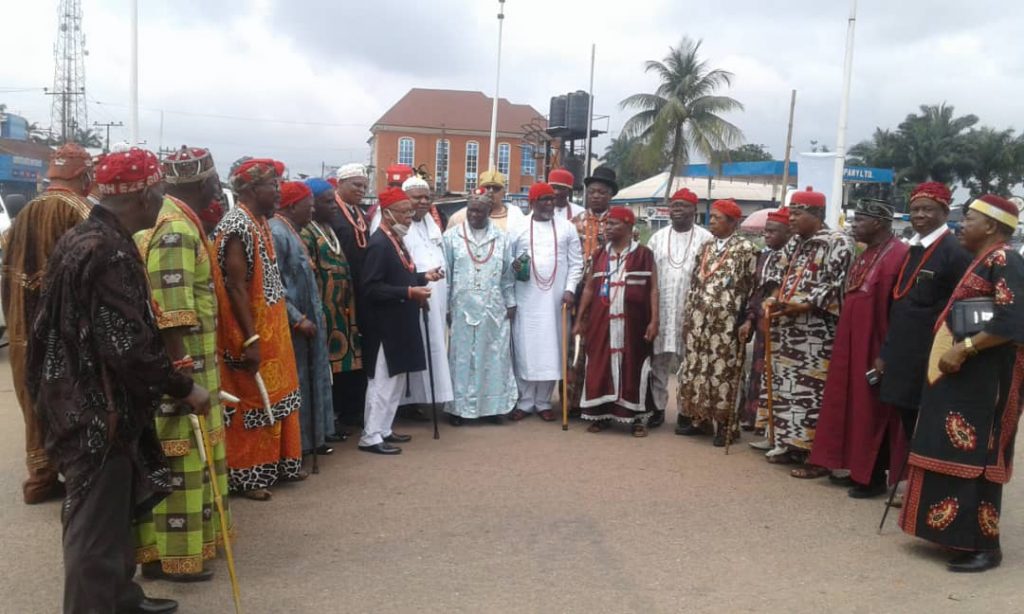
(406, 151)
(441, 166)
(529, 164)
(504, 158)
(472, 157)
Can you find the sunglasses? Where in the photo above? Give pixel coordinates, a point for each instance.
(493, 188)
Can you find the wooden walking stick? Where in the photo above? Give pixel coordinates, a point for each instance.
(565, 367)
(206, 455)
(768, 375)
(731, 422)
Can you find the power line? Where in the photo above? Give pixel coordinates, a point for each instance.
(240, 118)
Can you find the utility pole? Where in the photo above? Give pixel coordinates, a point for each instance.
(497, 87)
(108, 126)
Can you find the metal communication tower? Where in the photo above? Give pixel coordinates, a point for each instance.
(69, 106)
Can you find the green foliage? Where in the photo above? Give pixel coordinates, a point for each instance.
(632, 160)
(684, 114)
(750, 152)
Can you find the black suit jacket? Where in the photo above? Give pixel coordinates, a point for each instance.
(390, 320)
(908, 341)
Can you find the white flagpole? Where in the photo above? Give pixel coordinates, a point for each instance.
(133, 83)
(497, 86)
(835, 202)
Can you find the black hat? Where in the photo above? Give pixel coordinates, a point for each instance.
(605, 175)
(873, 207)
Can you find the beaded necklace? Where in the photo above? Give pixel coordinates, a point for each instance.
(358, 225)
(399, 248)
(263, 228)
(899, 293)
(704, 273)
(469, 248)
(789, 270)
(856, 278)
(686, 253)
(544, 284)
(332, 241)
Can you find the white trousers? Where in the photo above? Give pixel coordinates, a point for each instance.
(534, 394)
(662, 368)
(382, 396)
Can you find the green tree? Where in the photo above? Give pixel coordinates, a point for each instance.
(88, 138)
(750, 152)
(684, 114)
(993, 161)
(933, 144)
(632, 160)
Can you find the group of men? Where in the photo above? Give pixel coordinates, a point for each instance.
(160, 341)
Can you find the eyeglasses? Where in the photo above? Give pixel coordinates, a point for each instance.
(493, 188)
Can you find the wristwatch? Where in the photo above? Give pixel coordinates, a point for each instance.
(969, 347)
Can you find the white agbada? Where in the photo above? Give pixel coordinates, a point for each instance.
(675, 254)
(574, 210)
(510, 222)
(425, 244)
(537, 329)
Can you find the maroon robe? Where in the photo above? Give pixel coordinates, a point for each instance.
(628, 292)
(854, 423)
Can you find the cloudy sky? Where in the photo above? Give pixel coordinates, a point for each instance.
(303, 81)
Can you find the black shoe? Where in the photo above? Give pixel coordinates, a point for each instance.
(155, 571)
(973, 562)
(337, 437)
(691, 430)
(381, 448)
(867, 491)
(396, 438)
(324, 450)
(456, 420)
(495, 419)
(415, 413)
(844, 480)
(656, 419)
(149, 605)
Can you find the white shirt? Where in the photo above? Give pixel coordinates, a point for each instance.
(932, 237)
(675, 255)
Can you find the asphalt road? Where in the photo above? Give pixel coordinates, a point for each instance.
(527, 518)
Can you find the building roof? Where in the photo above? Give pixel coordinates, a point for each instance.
(25, 149)
(456, 110)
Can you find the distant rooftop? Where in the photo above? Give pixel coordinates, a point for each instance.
(456, 110)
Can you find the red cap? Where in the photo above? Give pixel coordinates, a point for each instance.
(779, 215)
(935, 190)
(808, 198)
(68, 162)
(254, 170)
(391, 196)
(684, 195)
(128, 171)
(997, 208)
(727, 207)
(292, 192)
(539, 190)
(398, 173)
(623, 214)
(562, 177)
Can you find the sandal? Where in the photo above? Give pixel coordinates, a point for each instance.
(810, 472)
(598, 426)
(259, 494)
(639, 430)
(780, 459)
(298, 477)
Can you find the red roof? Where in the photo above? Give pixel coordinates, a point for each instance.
(456, 110)
(25, 149)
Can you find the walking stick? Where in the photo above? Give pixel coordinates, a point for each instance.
(768, 375)
(430, 369)
(892, 493)
(565, 367)
(731, 422)
(312, 408)
(206, 455)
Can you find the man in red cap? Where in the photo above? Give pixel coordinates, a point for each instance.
(305, 316)
(549, 266)
(805, 311)
(27, 247)
(675, 249)
(393, 293)
(856, 431)
(754, 412)
(723, 281)
(562, 181)
(263, 434)
(930, 270)
(962, 450)
(98, 369)
(618, 315)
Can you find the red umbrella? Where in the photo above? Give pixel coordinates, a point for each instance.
(755, 221)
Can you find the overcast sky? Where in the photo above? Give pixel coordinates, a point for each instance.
(306, 84)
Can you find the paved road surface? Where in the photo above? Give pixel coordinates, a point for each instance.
(526, 518)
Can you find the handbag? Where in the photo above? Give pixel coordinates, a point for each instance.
(969, 316)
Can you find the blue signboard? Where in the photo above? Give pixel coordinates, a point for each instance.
(17, 168)
(863, 174)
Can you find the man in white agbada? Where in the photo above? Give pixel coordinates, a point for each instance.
(555, 266)
(675, 248)
(425, 244)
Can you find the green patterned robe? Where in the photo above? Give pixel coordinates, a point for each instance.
(183, 530)
(334, 278)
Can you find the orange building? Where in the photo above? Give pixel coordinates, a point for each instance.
(447, 133)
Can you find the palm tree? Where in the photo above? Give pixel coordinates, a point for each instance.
(631, 160)
(933, 143)
(994, 161)
(684, 114)
(88, 138)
